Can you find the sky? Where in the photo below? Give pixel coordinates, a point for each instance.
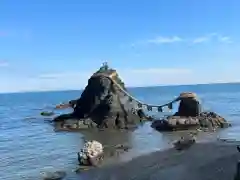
(58, 44)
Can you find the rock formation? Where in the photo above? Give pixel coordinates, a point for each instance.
(105, 103)
(189, 115)
(102, 104)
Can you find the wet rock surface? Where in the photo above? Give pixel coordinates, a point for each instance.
(206, 120)
(205, 161)
(57, 175)
(97, 161)
(185, 142)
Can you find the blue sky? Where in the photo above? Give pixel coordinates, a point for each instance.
(49, 45)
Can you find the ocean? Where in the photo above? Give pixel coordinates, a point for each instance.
(29, 145)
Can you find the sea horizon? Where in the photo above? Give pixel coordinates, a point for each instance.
(128, 87)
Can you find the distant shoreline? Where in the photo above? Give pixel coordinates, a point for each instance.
(129, 87)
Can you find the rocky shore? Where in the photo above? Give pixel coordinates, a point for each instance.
(105, 104)
(203, 161)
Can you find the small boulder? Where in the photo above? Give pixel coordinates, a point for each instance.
(91, 154)
(185, 142)
(57, 175)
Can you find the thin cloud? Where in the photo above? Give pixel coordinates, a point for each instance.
(64, 75)
(211, 37)
(131, 77)
(165, 40)
(3, 64)
(225, 39)
(159, 71)
(154, 76)
(200, 40)
(157, 41)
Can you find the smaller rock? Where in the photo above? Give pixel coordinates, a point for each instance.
(47, 113)
(185, 142)
(122, 147)
(91, 154)
(81, 168)
(58, 175)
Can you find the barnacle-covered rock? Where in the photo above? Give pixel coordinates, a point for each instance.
(91, 153)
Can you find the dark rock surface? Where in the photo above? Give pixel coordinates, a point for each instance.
(189, 105)
(102, 105)
(58, 175)
(185, 143)
(206, 161)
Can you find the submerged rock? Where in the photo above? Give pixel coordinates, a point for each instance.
(103, 104)
(189, 116)
(44, 113)
(185, 142)
(58, 175)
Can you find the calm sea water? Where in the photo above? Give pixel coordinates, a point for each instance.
(29, 145)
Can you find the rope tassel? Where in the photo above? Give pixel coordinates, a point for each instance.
(136, 101)
(130, 99)
(170, 106)
(149, 108)
(160, 109)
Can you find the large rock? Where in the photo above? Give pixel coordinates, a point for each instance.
(189, 105)
(102, 104)
(189, 115)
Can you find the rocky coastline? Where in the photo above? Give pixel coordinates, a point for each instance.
(103, 106)
(203, 161)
